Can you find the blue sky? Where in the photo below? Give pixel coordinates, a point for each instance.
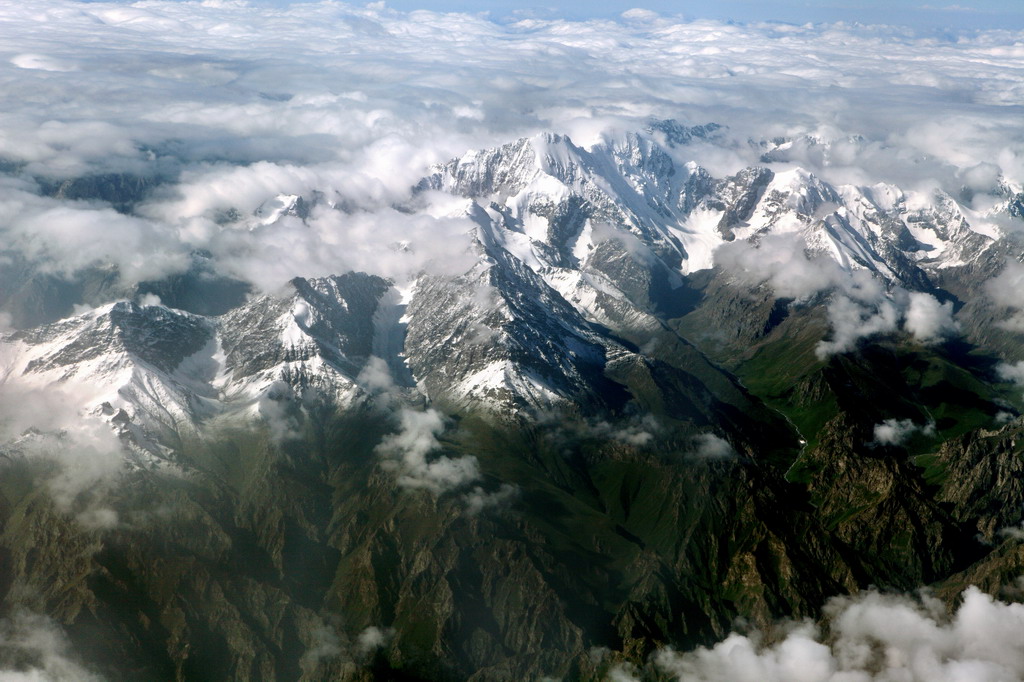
(929, 14)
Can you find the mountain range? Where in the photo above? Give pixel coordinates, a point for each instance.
(646, 404)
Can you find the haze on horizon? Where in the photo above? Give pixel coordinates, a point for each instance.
(942, 15)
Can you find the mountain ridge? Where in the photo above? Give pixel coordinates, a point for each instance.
(647, 403)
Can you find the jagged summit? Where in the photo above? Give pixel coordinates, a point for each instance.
(563, 200)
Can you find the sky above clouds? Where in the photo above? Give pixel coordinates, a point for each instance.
(973, 14)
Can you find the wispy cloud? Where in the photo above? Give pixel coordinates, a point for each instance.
(33, 647)
(860, 304)
(950, 8)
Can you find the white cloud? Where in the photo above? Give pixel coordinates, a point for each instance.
(1003, 417)
(950, 8)
(899, 431)
(324, 644)
(872, 638)
(860, 305)
(281, 410)
(375, 377)
(567, 430)
(479, 500)
(782, 262)
(407, 454)
(638, 431)
(929, 320)
(1012, 532)
(41, 649)
(1005, 290)
(373, 638)
(41, 62)
(1014, 372)
(46, 425)
(640, 14)
(65, 236)
(150, 300)
(853, 319)
(623, 672)
(711, 446)
(983, 177)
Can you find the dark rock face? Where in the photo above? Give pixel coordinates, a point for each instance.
(334, 313)
(154, 335)
(348, 326)
(121, 190)
(522, 329)
(200, 290)
(677, 134)
(738, 196)
(308, 547)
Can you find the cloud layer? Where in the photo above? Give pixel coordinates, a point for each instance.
(222, 106)
(872, 638)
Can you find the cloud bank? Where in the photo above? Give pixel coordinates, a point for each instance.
(216, 109)
(871, 638)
